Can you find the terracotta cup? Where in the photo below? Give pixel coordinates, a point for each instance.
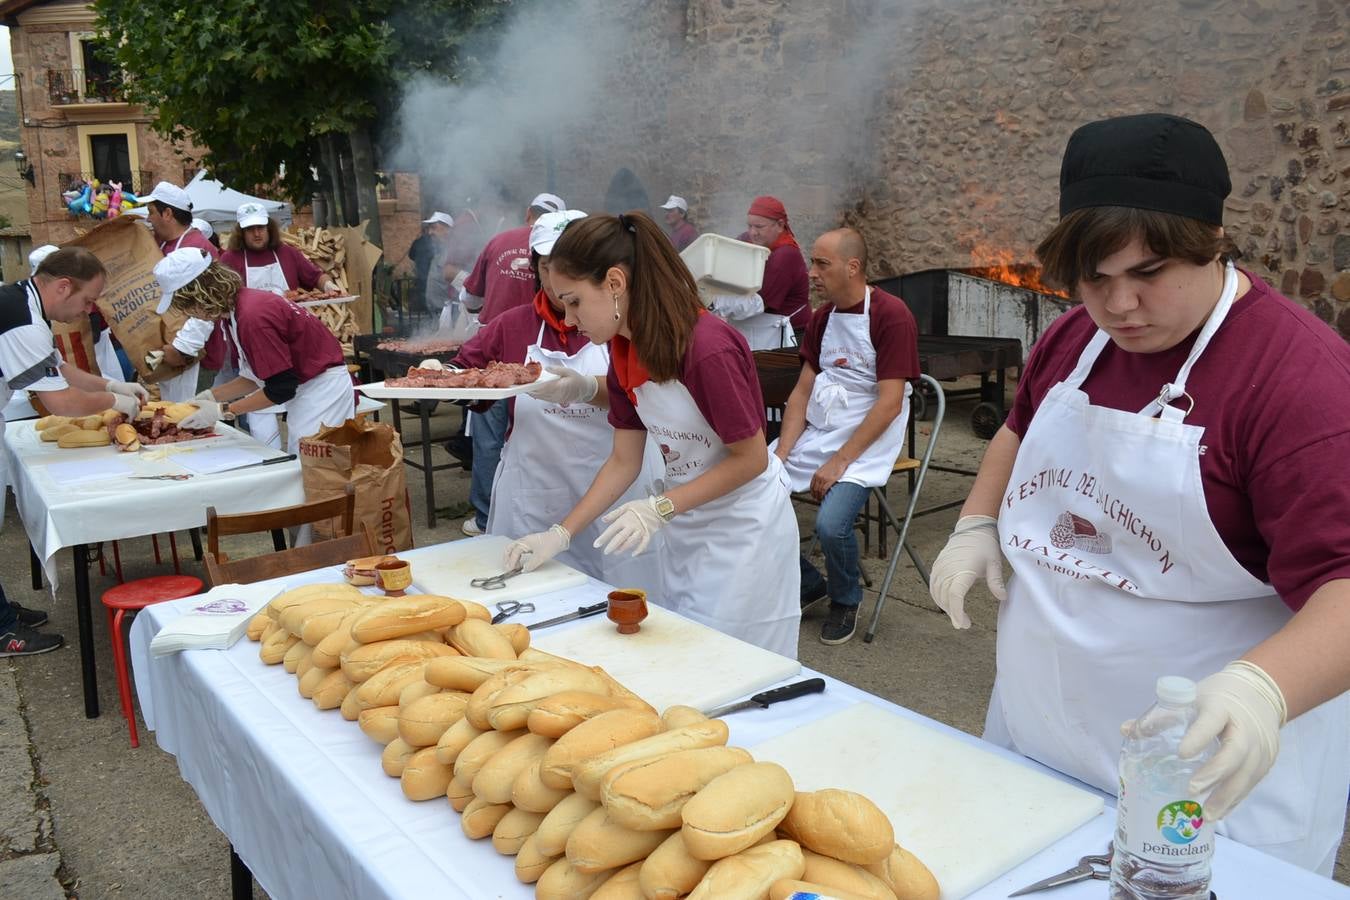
(394, 576)
(627, 609)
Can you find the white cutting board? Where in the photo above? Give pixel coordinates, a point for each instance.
(968, 814)
(671, 659)
(448, 568)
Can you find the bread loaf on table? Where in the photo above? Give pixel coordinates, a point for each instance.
(54, 433)
(680, 716)
(46, 422)
(395, 756)
(127, 438)
(496, 776)
(561, 881)
(482, 748)
(480, 818)
(599, 843)
(351, 707)
(622, 885)
(670, 871)
(458, 736)
(736, 809)
(844, 876)
(275, 647)
(517, 634)
(380, 724)
(306, 592)
(475, 637)
(306, 663)
(840, 824)
(318, 623)
(459, 793)
(602, 734)
(558, 824)
(587, 774)
(332, 690)
(310, 681)
(529, 792)
(328, 650)
(416, 691)
(91, 422)
(464, 673)
(383, 688)
(407, 615)
(906, 876)
(648, 794)
(480, 699)
(559, 714)
(423, 778)
(297, 651)
(293, 617)
(477, 611)
(364, 660)
(511, 707)
(787, 888)
(748, 875)
(513, 830)
(423, 721)
(257, 625)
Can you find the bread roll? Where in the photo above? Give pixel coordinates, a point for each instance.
(464, 673)
(416, 691)
(46, 422)
(395, 756)
(477, 611)
(319, 619)
(310, 681)
(459, 793)
(587, 774)
(423, 777)
(680, 716)
(736, 809)
(496, 777)
(383, 688)
(177, 412)
(423, 721)
(111, 417)
(748, 875)
(407, 615)
(474, 637)
(529, 791)
(480, 700)
(328, 651)
(670, 871)
(906, 876)
(458, 736)
(351, 707)
(84, 438)
(787, 888)
(648, 794)
(482, 748)
(306, 592)
(559, 714)
(844, 876)
(380, 724)
(599, 843)
(294, 654)
(364, 660)
(510, 708)
(275, 647)
(841, 824)
(332, 690)
(306, 663)
(561, 881)
(513, 830)
(293, 617)
(127, 438)
(517, 634)
(605, 732)
(622, 885)
(257, 624)
(92, 422)
(56, 432)
(480, 817)
(557, 826)
(530, 863)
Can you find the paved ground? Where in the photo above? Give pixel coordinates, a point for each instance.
(84, 815)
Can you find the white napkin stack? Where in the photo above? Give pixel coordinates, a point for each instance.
(214, 621)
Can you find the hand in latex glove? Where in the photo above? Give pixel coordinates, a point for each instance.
(631, 526)
(128, 389)
(207, 414)
(127, 406)
(972, 552)
(570, 387)
(533, 550)
(1244, 708)
(203, 397)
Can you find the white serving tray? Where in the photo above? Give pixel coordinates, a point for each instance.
(380, 392)
(726, 265)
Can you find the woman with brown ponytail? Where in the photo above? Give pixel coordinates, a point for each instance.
(688, 379)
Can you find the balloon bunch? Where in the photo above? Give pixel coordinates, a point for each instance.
(100, 200)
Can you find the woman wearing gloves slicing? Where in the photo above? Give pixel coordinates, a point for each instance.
(1168, 490)
(689, 381)
(535, 485)
(287, 357)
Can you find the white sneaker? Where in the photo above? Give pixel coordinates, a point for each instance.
(470, 527)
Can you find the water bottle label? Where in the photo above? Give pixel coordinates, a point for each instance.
(1165, 831)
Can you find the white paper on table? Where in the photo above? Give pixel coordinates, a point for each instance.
(81, 470)
(218, 619)
(207, 462)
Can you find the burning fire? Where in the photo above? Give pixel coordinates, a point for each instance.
(998, 265)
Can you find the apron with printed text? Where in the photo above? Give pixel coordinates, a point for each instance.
(271, 277)
(842, 395)
(731, 563)
(1119, 577)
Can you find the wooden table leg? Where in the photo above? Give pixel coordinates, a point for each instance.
(85, 617)
(241, 879)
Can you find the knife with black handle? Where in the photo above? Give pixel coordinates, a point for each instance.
(766, 699)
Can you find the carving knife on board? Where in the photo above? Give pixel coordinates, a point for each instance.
(581, 613)
(767, 698)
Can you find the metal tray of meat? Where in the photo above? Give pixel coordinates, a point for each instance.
(380, 392)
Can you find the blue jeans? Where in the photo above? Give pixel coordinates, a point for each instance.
(489, 433)
(834, 530)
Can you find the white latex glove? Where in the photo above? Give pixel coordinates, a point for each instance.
(631, 526)
(571, 387)
(971, 552)
(206, 416)
(154, 358)
(128, 389)
(533, 550)
(1244, 708)
(126, 405)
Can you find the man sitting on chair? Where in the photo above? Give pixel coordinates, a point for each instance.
(844, 425)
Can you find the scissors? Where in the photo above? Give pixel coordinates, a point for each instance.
(508, 608)
(1094, 867)
(183, 477)
(496, 582)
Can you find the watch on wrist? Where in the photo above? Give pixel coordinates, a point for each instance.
(665, 507)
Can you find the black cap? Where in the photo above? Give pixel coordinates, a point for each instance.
(1152, 161)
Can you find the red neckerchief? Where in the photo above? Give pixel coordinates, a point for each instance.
(546, 312)
(630, 371)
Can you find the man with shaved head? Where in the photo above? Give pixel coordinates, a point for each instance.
(844, 425)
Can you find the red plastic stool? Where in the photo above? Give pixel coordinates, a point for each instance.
(131, 596)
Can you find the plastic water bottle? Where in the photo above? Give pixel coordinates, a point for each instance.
(1163, 840)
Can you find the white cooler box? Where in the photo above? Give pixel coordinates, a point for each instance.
(722, 265)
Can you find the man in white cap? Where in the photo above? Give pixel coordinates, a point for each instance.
(169, 212)
(501, 279)
(678, 226)
(440, 272)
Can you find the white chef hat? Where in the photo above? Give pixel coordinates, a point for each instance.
(203, 226)
(676, 203)
(250, 214)
(546, 230)
(170, 195)
(443, 218)
(38, 254)
(178, 269)
(548, 203)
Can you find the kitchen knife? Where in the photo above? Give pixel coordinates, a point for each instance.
(266, 462)
(581, 613)
(767, 698)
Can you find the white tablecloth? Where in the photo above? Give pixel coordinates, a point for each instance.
(57, 515)
(301, 795)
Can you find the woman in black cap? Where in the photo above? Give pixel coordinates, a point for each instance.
(1170, 492)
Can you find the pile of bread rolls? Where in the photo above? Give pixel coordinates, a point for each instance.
(69, 432)
(594, 793)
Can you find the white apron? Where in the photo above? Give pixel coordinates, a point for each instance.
(842, 395)
(262, 425)
(1119, 577)
(549, 462)
(182, 387)
(731, 563)
(766, 331)
(105, 354)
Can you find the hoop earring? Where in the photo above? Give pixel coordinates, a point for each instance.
(616, 306)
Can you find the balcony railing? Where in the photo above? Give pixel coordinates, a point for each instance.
(67, 87)
(141, 181)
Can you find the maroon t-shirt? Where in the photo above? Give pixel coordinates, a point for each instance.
(278, 335)
(501, 275)
(191, 238)
(683, 235)
(299, 271)
(719, 372)
(894, 333)
(1272, 391)
(787, 289)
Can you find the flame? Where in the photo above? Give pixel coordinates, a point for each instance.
(997, 265)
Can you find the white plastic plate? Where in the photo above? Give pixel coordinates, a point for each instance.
(380, 392)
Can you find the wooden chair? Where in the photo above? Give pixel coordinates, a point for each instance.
(275, 520)
(289, 562)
